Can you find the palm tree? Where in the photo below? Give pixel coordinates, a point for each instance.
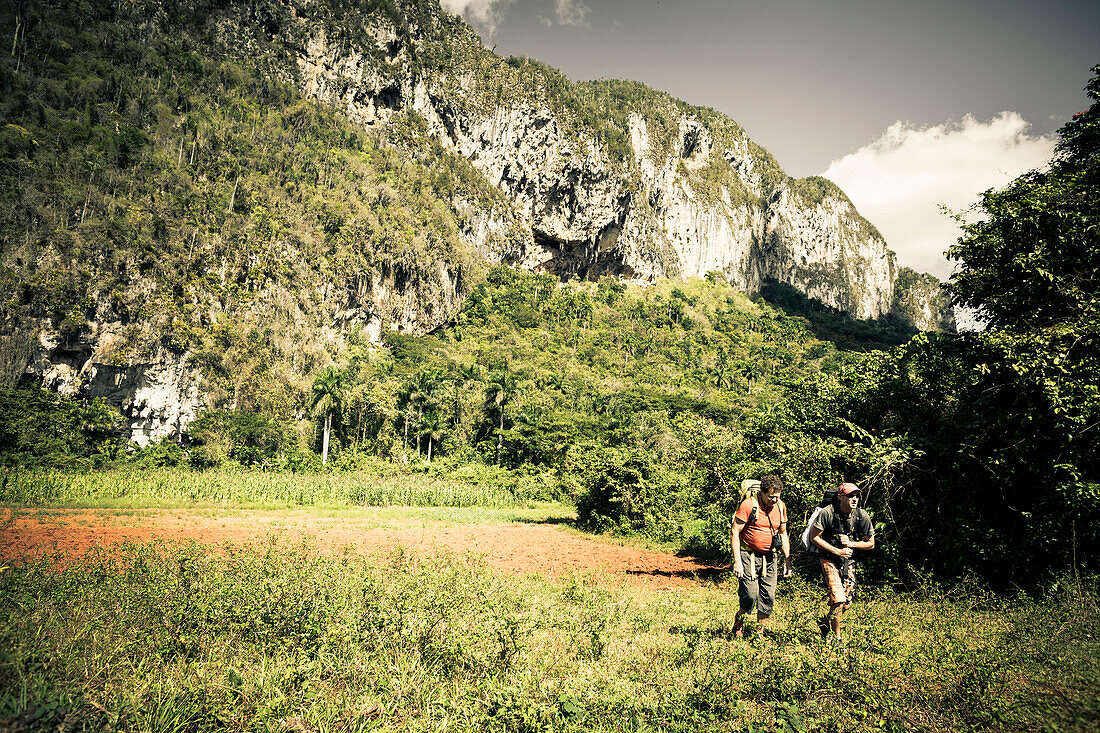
(428, 384)
(499, 391)
(432, 427)
(407, 399)
(329, 390)
(463, 376)
(723, 370)
(419, 395)
(750, 370)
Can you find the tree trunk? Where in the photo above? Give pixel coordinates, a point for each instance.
(233, 196)
(500, 434)
(15, 36)
(324, 441)
(429, 449)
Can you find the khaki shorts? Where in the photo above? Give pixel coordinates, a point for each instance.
(840, 591)
(757, 587)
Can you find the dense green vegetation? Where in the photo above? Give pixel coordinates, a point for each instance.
(164, 637)
(376, 483)
(41, 428)
(155, 181)
(586, 391)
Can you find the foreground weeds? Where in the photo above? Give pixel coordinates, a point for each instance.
(173, 638)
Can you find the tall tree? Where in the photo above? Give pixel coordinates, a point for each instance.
(1013, 413)
(500, 388)
(464, 375)
(329, 391)
(432, 425)
(1032, 261)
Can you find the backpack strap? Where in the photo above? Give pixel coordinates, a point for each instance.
(752, 517)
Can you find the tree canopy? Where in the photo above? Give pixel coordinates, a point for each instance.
(1032, 261)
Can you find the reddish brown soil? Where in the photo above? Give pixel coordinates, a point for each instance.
(514, 548)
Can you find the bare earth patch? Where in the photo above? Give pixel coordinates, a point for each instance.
(517, 548)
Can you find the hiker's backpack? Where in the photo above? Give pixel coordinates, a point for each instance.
(829, 497)
(750, 489)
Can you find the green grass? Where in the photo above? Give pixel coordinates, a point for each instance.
(275, 636)
(174, 487)
(360, 517)
(168, 637)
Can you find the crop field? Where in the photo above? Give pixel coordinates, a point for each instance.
(174, 605)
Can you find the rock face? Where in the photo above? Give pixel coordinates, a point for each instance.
(598, 179)
(919, 299)
(158, 395)
(707, 200)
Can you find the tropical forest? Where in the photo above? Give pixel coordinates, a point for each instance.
(320, 410)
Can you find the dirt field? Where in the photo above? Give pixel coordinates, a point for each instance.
(518, 548)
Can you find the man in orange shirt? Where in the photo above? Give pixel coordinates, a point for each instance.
(758, 536)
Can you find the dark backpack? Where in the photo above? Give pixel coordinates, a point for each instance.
(829, 499)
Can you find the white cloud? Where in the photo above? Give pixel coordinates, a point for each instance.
(572, 12)
(485, 13)
(900, 181)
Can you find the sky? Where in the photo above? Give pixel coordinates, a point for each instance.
(911, 107)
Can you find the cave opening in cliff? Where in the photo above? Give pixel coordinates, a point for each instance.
(583, 259)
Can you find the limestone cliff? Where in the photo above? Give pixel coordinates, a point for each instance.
(120, 280)
(919, 300)
(704, 199)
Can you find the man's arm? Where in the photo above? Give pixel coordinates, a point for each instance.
(868, 541)
(787, 568)
(735, 544)
(819, 541)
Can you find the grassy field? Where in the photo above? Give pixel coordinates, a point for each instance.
(171, 637)
(178, 487)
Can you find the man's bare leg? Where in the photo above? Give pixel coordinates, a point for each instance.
(836, 613)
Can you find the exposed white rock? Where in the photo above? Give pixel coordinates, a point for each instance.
(158, 395)
(585, 218)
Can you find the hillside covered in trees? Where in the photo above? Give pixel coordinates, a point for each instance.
(168, 188)
(166, 199)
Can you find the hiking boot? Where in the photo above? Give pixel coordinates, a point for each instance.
(823, 626)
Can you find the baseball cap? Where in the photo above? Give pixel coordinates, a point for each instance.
(846, 489)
